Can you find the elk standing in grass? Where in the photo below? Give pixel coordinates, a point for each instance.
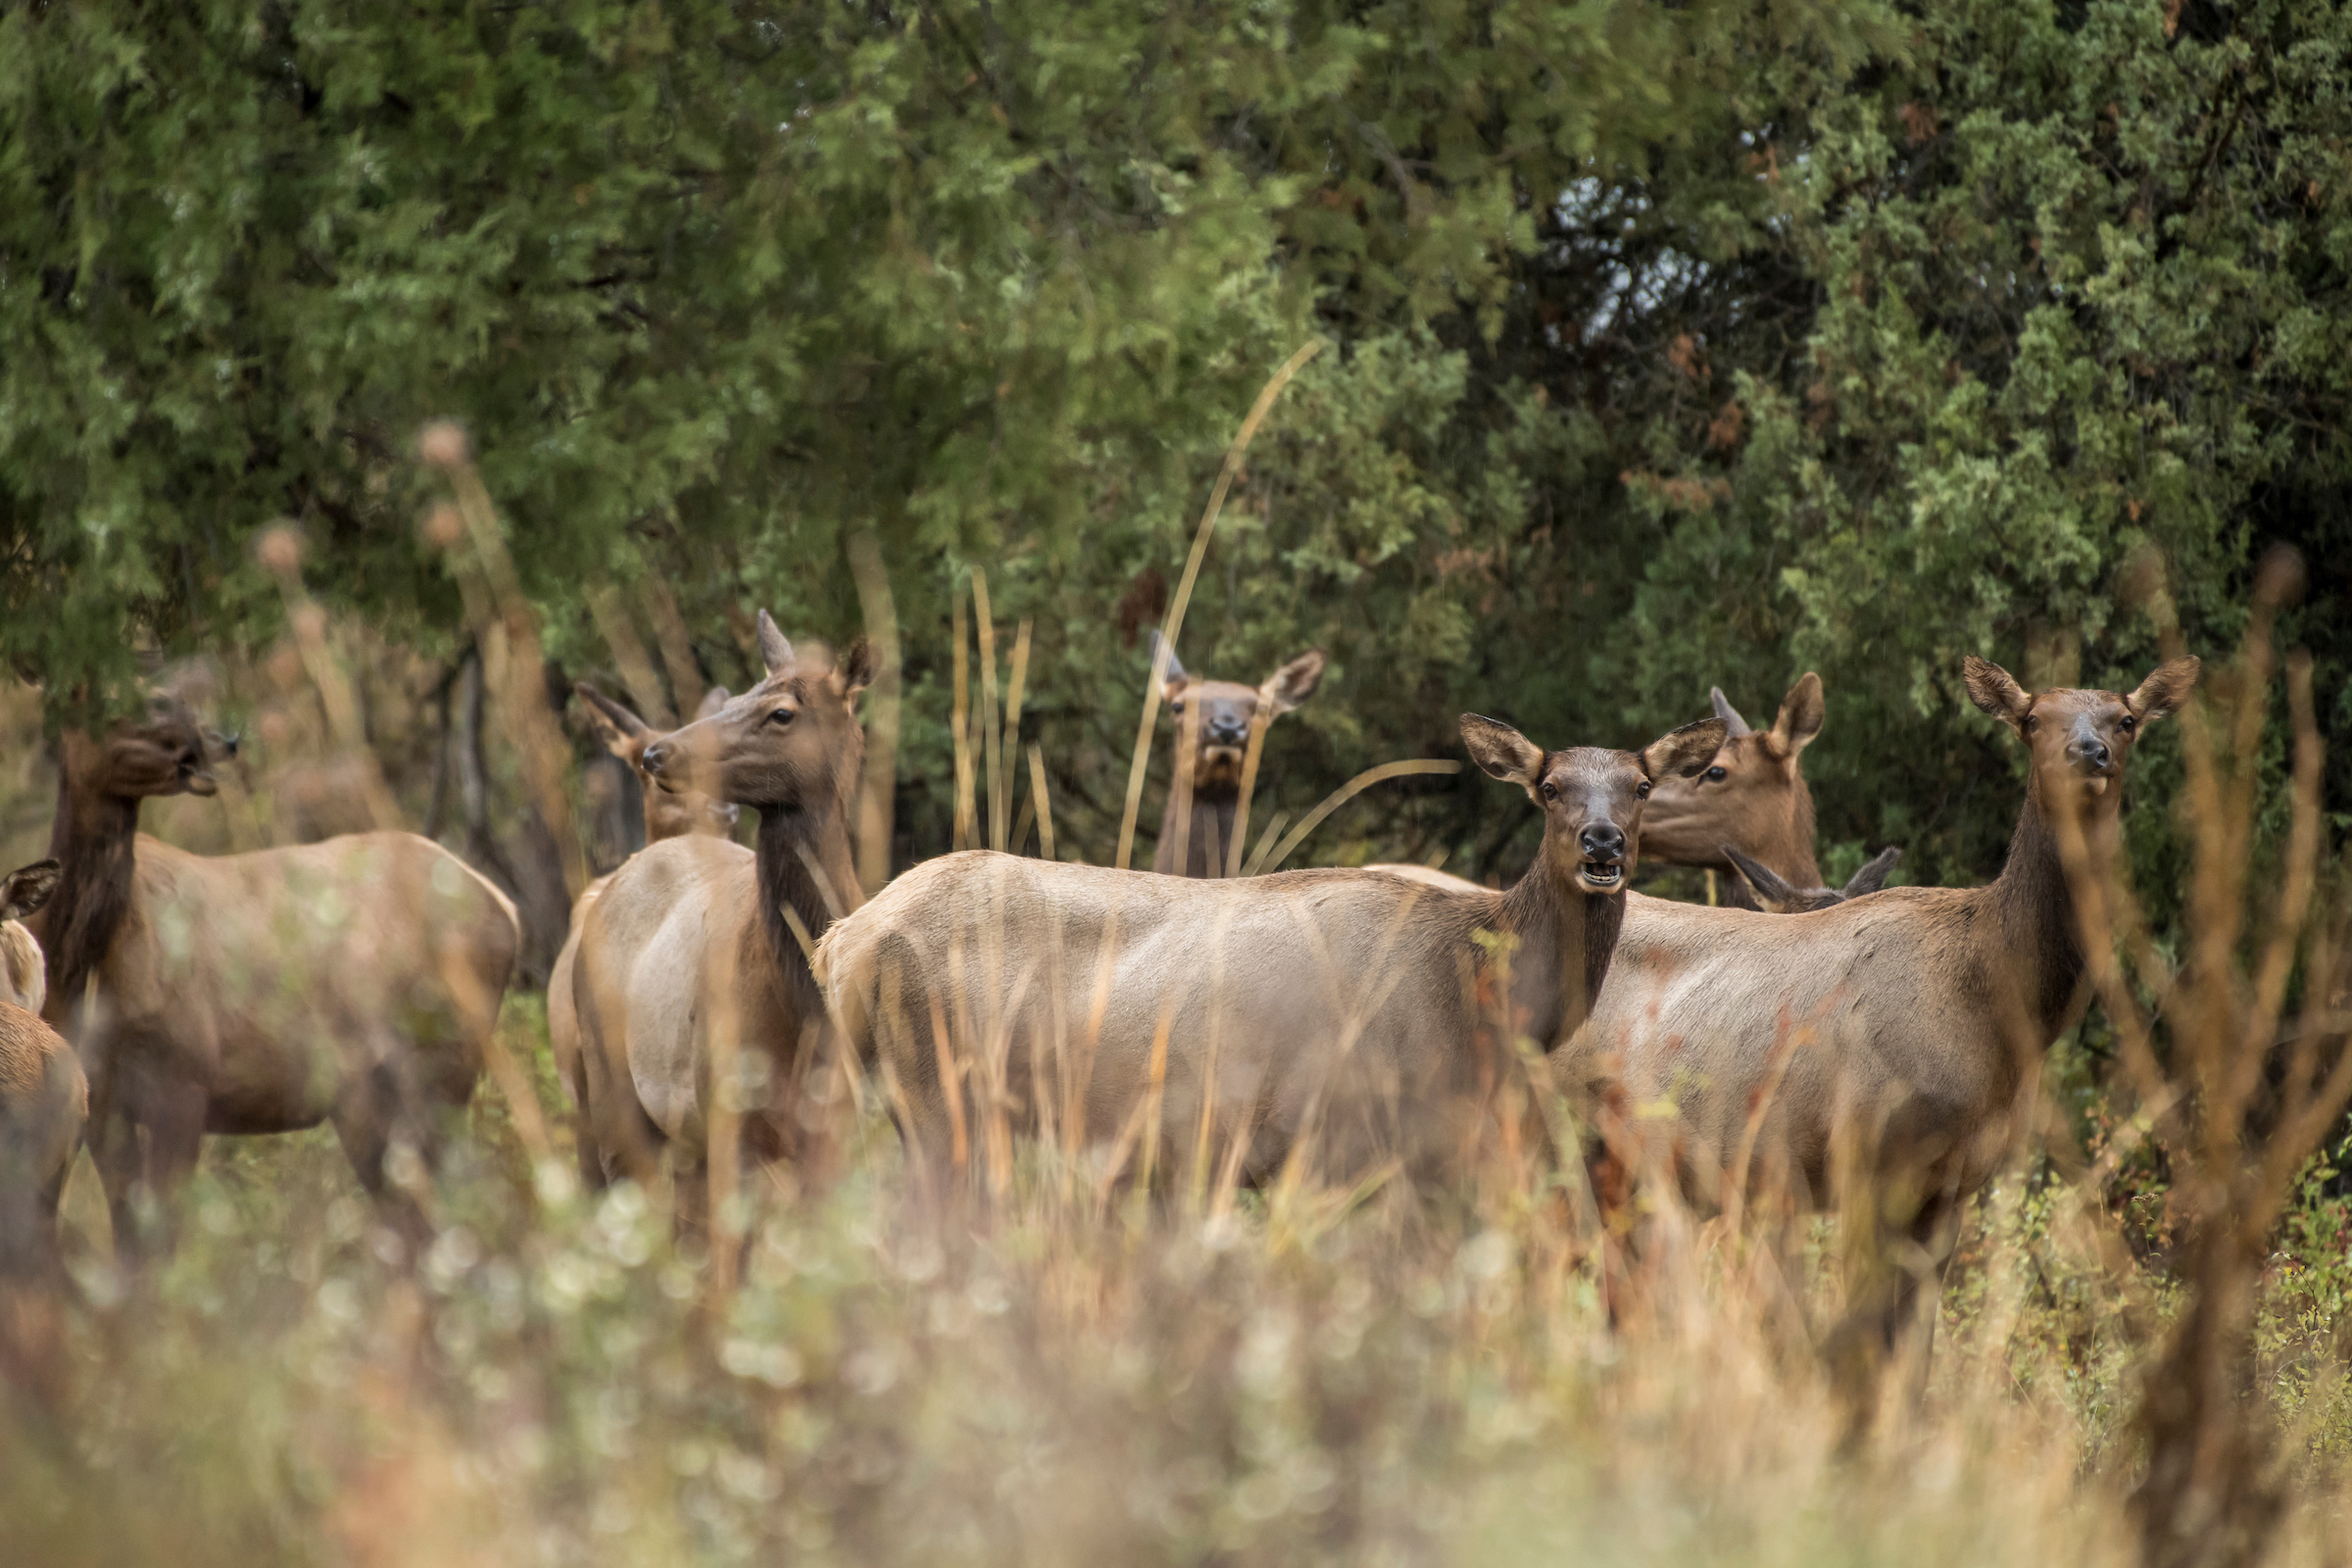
(354, 981)
(1213, 722)
(692, 955)
(1883, 1041)
(1344, 1015)
(668, 815)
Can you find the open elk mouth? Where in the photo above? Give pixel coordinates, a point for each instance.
(1599, 878)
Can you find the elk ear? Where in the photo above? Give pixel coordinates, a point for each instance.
(1995, 690)
(1773, 891)
(614, 724)
(713, 699)
(1503, 752)
(2166, 689)
(1174, 679)
(855, 673)
(28, 889)
(1801, 713)
(1294, 683)
(1872, 875)
(1684, 752)
(1726, 711)
(775, 651)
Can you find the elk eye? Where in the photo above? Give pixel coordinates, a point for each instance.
(1716, 774)
(1549, 793)
(1641, 789)
(2129, 723)
(782, 716)
(1176, 707)
(2024, 725)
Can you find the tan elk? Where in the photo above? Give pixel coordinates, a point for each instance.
(44, 1097)
(668, 815)
(1217, 715)
(353, 981)
(694, 949)
(1752, 795)
(1887, 1038)
(1346, 1016)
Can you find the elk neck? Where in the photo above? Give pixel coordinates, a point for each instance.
(1209, 842)
(2032, 910)
(1566, 939)
(94, 839)
(792, 840)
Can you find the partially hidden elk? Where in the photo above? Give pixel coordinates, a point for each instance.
(1343, 1018)
(44, 1098)
(1213, 721)
(668, 815)
(1752, 795)
(1773, 892)
(693, 970)
(1884, 1045)
(354, 981)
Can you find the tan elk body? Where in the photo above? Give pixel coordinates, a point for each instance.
(1343, 1015)
(668, 815)
(354, 981)
(1215, 717)
(1894, 1030)
(691, 950)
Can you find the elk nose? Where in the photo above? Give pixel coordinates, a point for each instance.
(2090, 751)
(1227, 731)
(1604, 842)
(654, 756)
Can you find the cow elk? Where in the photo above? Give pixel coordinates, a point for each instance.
(354, 981)
(21, 977)
(1342, 1017)
(666, 815)
(44, 1098)
(1196, 839)
(1752, 795)
(692, 971)
(1883, 1042)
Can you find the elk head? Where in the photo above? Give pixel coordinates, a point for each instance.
(162, 752)
(23, 978)
(1750, 794)
(790, 743)
(2079, 740)
(667, 814)
(1592, 798)
(1226, 708)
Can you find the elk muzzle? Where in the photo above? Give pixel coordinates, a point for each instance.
(1602, 868)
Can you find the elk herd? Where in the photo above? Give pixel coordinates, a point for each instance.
(712, 1002)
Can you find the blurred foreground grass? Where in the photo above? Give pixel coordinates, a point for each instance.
(1067, 1381)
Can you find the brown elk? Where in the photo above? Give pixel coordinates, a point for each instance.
(668, 815)
(44, 1098)
(1752, 795)
(354, 981)
(1217, 715)
(1887, 1037)
(1343, 1015)
(694, 951)
(21, 977)
(1772, 892)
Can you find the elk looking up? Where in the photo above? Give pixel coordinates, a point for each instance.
(353, 981)
(1349, 1015)
(668, 815)
(1894, 1031)
(694, 949)
(1218, 714)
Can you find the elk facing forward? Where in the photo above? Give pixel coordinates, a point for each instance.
(354, 981)
(691, 953)
(1346, 1016)
(1213, 722)
(1893, 1031)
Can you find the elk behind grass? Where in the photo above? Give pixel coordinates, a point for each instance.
(1345, 1017)
(354, 981)
(1214, 723)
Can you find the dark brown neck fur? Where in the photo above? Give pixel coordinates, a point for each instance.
(1213, 812)
(2033, 912)
(1566, 940)
(790, 839)
(93, 840)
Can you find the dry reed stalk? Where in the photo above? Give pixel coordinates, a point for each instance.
(620, 633)
(1188, 752)
(685, 672)
(879, 787)
(991, 738)
(1263, 862)
(723, 1156)
(1015, 689)
(279, 551)
(959, 728)
(1184, 589)
(1260, 718)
